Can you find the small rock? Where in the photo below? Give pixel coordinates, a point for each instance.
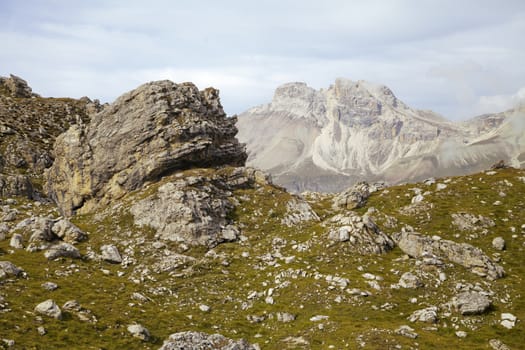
(41, 330)
(318, 318)
(269, 300)
(62, 250)
(8, 342)
(17, 241)
(406, 331)
(50, 286)
(139, 297)
(471, 303)
(72, 305)
(498, 243)
(497, 344)
(409, 280)
(204, 308)
(428, 315)
(440, 187)
(508, 320)
(285, 317)
(461, 334)
(139, 331)
(49, 308)
(110, 254)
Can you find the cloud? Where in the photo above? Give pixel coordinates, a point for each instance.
(429, 58)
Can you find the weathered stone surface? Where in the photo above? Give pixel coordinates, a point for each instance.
(406, 331)
(353, 198)
(16, 86)
(152, 131)
(68, 232)
(194, 209)
(497, 344)
(361, 232)
(498, 243)
(62, 250)
(298, 211)
(471, 303)
(417, 245)
(139, 331)
(409, 280)
(49, 308)
(7, 269)
(470, 222)
(203, 341)
(17, 241)
(428, 315)
(15, 185)
(285, 317)
(110, 254)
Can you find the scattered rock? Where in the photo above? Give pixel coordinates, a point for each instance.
(428, 315)
(508, 320)
(41, 330)
(198, 340)
(318, 318)
(497, 344)
(8, 342)
(298, 211)
(409, 280)
(470, 222)
(416, 245)
(406, 331)
(8, 269)
(68, 232)
(361, 232)
(50, 286)
(285, 317)
(49, 308)
(471, 303)
(352, 198)
(204, 308)
(62, 250)
(17, 86)
(139, 331)
(17, 241)
(461, 334)
(498, 243)
(110, 254)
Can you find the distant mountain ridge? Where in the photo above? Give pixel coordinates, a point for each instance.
(325, 140)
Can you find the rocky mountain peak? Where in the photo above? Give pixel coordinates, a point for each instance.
(147, 133)
(15, 87)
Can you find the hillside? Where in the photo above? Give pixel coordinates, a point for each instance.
(158, 231)
(331, 138)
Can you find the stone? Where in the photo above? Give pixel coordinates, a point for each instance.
(508, 320)
(318, 318)
(153, 131)
(62, 250)
(360, 232)
(497, 344)
(409, 280)
(68, 232)
(298, 211)
(498, 243)
(470, 222)
(285, 317)
(17, 241)
(49, 308)
(353, 198)
(72, 306)
(417, 245)
(17, 86)
(428, 315)
(471, 303)
(50, 286)
(461, 334)
(406, 331)
(8, 269)
(110, 254)
(41, 330)
(139, 331)
(204, 308)
(15, 185)
(198, 340)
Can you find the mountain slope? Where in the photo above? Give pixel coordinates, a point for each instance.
(325, 140)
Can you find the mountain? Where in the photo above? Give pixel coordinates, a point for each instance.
(328, 139)
(144, 229)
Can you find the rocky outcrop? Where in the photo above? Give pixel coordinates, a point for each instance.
(194, 209)
(361, 233)
(147, 133)
(15, 185)
(203, 341)
(419, 246)
(352, 198)
(16, 87)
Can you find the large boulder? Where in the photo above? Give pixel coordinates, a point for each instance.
(417, 245)
(147, 133)
(16, 86)
(203, 341)
(353, 197)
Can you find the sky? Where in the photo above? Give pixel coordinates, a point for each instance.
(457, 58)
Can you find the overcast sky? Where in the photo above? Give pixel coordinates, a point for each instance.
(458, 58)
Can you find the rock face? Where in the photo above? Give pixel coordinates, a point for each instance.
(353, 131)
(203, 341)
(417, 245)
(144, 135)
(195, 209)
(361, 232)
